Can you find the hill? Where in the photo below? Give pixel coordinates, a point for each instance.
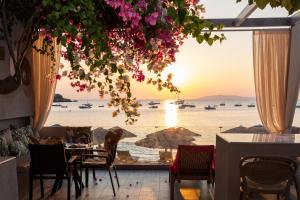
(226, 98)
(60, 98)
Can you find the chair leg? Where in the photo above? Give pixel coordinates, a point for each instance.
(94, 175)
(172, 185)
(30, 187)
(42, 185)
(111, 180)
(69, 188)
(297, 188)
(116, 175)
(80, 181)
(86, 177)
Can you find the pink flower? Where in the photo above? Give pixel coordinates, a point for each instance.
(152, 19)
(58, 77)
(142, 5)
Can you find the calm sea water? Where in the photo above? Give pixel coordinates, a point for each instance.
(199, 120)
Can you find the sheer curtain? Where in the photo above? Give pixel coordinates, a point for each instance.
(276, 84)
(44, 89)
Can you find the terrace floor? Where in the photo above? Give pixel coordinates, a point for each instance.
(139, 185)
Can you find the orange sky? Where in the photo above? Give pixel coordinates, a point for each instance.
(202, 70)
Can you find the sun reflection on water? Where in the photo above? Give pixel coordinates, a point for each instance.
(170, 115)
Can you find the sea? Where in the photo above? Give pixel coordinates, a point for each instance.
(207, 123)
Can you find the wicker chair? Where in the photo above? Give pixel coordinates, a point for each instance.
(103, 158)
(191, 163)
(49, 162)
(267, 175)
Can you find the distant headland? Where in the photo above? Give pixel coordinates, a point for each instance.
(60, 98)
(226, 98)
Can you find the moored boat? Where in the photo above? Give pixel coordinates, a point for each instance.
(209, 107)
(237, 105)
(152, 103)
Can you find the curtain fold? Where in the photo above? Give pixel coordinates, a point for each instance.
(44, 83)
(275, 79)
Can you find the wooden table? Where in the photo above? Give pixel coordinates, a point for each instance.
(231, 147)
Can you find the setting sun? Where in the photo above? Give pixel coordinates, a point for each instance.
(179, 75)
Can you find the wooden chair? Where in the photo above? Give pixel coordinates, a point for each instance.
(103, 158)
(267, 175)
(191, 163)
(49, 162)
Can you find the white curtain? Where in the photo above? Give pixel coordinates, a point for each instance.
(44, 83)
(276, 79)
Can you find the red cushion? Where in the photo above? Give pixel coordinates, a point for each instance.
(174, 167)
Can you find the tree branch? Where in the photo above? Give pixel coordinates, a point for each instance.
(6, 33)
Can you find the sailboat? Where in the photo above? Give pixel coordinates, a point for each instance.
(86, 105)
(177, 101)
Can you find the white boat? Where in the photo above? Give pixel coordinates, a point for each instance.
(152, 103)
(85, 106)
(177, 102)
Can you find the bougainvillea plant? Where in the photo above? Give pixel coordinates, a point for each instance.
(108, 43)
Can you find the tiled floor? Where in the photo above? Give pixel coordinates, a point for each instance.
(138, 185)
(134, 185)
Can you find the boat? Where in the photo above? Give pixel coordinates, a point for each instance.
(297, 106)
(85, 106)
(152, 103)
(251, 105)
(56, 105)
(190, 105)
(182, 107)
(222, 104)
(88, 104)
(209, 107)
(64, 106)
(237, 105)
(101, 106)
(178, 102)
(153, 107)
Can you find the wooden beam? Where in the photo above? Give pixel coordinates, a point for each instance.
(246, 12)
(255, 22)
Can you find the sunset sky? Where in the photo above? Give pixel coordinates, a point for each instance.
(202, 70)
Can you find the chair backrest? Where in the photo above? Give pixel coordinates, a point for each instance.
(111, 143)
(47, 159)
(195, 159)
(267, 170)
(79, 135)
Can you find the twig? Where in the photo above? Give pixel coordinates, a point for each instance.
(6, 34)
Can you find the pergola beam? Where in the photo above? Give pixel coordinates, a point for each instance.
(246, 12)
(255, 22)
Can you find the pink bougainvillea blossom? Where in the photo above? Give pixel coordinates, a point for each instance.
(152, 19)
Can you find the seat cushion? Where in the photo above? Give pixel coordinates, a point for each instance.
(5, 140)
(18, 149)
(94, 162)
(251, 185)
